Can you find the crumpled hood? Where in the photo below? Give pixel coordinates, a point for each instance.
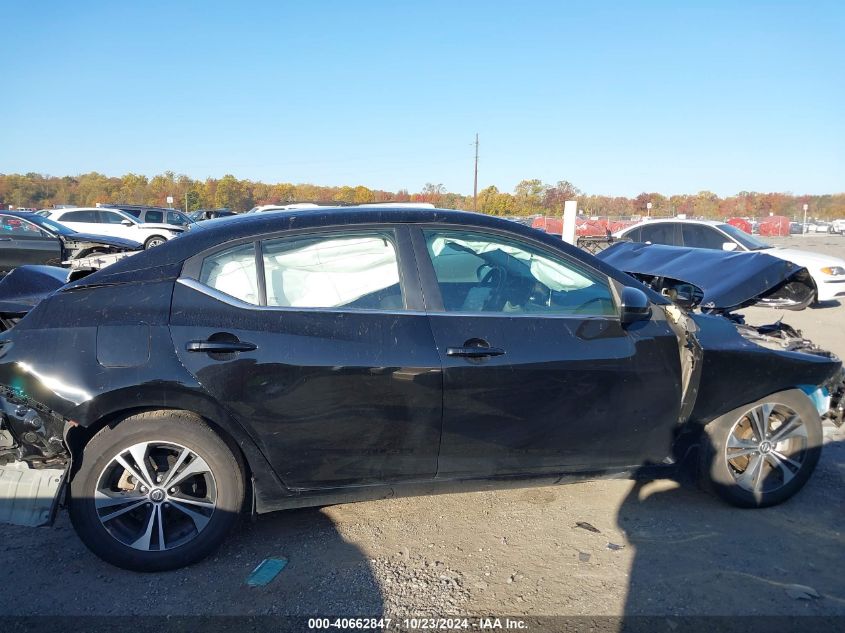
(727, 280)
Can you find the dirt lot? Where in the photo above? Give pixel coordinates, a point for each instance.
(513, 552)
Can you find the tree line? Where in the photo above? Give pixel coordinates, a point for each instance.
(529, 197)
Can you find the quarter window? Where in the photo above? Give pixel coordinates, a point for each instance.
(232, 272)
(478, 272)
(357, 270)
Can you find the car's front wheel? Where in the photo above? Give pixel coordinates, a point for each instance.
(160, 490)
(155, 240)
(763, 453)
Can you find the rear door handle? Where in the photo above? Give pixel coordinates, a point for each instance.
(474, 352)
(220, 347)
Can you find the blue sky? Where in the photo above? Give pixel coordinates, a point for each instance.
(618, 98)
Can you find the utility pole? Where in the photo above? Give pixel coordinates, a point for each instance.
(475, 180)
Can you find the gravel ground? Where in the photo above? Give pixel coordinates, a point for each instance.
(660, 549)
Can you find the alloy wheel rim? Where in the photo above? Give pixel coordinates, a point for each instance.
(155, 496)
(766, 448)
(155, 242)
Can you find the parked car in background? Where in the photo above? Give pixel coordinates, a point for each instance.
(263, 208)
(29, 238)
(281, 360)
(209, 214)
(838, 227)
(153, 215)
(795, 228)
(828, 272)
(117, 223)
(818, 227)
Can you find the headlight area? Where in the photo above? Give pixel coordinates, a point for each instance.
(833, 271)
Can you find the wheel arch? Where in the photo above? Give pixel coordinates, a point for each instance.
(259, 475)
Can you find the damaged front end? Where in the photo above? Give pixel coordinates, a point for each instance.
(782, 337)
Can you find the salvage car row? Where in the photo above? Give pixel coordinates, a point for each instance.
(313, 356)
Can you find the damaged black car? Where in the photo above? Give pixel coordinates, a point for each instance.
(28, 238)
(310, 357)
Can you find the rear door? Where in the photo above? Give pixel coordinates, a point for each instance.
(539, 374)
(84, 221)
(318, 345)
(22, 242)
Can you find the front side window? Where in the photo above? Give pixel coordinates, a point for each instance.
(701, 236)
(478, 272)
(109, 217)
(11, 225)
(352, 270)
(233, 272)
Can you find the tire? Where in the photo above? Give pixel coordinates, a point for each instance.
(750, 473)
(122, 520)
(155, 240)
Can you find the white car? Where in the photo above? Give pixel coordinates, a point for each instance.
(828, 272)
(837, 226)
(104, 221)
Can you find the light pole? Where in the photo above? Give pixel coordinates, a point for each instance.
(804, 226)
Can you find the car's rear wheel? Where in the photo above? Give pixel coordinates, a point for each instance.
(763, 453)
(155, 240)
(160, 490)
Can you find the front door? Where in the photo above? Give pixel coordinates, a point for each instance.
(318, 345)
(539, 374)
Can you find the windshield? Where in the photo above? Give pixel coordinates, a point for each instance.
(748, 241)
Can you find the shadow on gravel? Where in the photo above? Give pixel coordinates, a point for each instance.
(697, 556)
(325, 574)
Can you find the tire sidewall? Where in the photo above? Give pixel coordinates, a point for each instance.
(111, 441)
(716, 473)
(148, 244)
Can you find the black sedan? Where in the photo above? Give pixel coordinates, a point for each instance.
(310, 357)
(29, 238)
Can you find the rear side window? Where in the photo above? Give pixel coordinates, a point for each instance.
(358, 270)
(79, 216)
(342, 270)
(154, 216)
(660, 233)
(109, 217)
(233, 272)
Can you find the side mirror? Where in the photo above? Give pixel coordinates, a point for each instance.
(635, 306)
(126, 223)
(729, 246)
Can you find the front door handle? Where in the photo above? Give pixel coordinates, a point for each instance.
(220, 347)
(474, 352)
